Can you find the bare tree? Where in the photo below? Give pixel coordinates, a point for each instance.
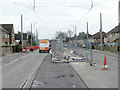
(69, 33)
(60, 34)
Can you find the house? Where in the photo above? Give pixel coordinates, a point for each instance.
(4, 40)
(82, 37)
(96, 39)
(113, 35)
(18, 38)
(10, 29)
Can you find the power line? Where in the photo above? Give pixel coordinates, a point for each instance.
(30, 3)
(92, 6)
(39, 17)
(21, 5)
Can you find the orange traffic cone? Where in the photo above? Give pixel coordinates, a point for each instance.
(105, 64)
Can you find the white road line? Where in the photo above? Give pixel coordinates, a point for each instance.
(15, 60)
(31, 74)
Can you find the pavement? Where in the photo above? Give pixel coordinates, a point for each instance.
(93, 76)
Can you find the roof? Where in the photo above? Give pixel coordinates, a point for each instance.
(24, 36)
(4, 29)
(7, 27)
(97, 35)
(115, 30)
(18, 36)
(82, 36)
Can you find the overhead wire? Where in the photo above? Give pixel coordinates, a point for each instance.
(30, 3)
(21, 5)
(40, 19)
(92, 6)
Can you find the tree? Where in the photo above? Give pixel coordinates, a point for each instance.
(60, 34)
(69, 33)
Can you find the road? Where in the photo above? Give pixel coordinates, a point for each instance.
(16, 72)
(19, 68)
(57, 75)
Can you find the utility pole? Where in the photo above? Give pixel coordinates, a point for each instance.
(87, 35)
(36, 37)
(69, 38)
(31, 34)
(75, 36)
(87, 40)
(34, 5)
(101, 31)
(119, 12)
(22, 32)
(34, 33)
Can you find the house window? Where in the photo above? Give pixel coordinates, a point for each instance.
(12, 35)
(110, 35)
(113, 35)
(3, 36)
(118, 34)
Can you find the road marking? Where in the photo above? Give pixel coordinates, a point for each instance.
(12, 71)
(15, 60)
(29, 76)
(32, 74)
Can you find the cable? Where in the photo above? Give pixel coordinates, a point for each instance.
(21, 5)
(89, 10)
(39, 17)
(30, 3)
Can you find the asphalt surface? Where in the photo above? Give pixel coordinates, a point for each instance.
(57, 75)
(8, 58)
(98, 57)
(14, 74)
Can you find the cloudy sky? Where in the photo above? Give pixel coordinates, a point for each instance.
(59, 15)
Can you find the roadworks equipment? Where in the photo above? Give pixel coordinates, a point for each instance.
(105, 67)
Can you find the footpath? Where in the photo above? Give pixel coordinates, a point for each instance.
(93, 76)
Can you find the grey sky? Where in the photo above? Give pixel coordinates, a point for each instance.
(55, 15)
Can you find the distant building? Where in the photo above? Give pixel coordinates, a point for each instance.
(82, 37)
(96, 38)
(18, 38)
(113, 36)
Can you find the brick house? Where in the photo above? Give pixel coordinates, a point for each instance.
(18, 38)
(10, 29)
(113, 35)
(82, 37)
(4, 40)
(96, 38)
